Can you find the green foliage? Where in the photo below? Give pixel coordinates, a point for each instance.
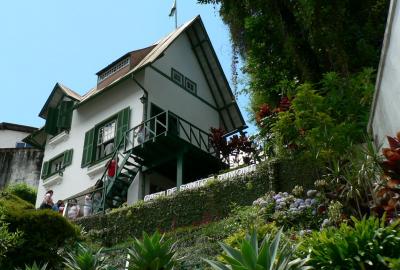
(355, 177)
(196, 242)
(8, 240)
(286, 41)
(208, 203)
(361, 246)
(325, 119)
(83, 258)
(270, 255)
(36, 267)
(24, 191)
(319, 54)
(152, 253)
(43, 232)
(237, 238)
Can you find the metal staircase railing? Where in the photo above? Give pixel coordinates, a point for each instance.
(125, 172)
(114, 189)
(168, 123)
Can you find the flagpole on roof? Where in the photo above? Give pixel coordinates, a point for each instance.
(174, 11)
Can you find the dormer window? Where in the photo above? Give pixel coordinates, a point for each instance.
(112, 70)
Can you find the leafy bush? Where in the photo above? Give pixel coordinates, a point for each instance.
(388, 193)
(196, 242)
(362, 246)
(152, 253)
(269, 256)
(323, 122)
(8, 240)
(83, 258)
(208, 203)
(352, 181)
(290, 211)
(24, 191)
(44, 231)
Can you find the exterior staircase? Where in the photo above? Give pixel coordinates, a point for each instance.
(152, 144)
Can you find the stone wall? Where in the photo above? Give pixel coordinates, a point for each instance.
(20, 165)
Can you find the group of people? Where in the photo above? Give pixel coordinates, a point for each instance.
(48, 203)
(91, 204)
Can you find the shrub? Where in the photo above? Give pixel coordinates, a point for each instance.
(362, 246)
(35, 267)
(24, 191)
(269, 256)
(290, 211)
(44, 231)
(8, 240)
(152, 253)
(208, 203)
(84, 258)
(196, 242)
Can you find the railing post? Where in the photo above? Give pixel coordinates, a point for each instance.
(167, 122)
(179, 169)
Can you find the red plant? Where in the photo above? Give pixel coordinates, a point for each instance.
(263, 112)
(266, 110)
(389, 193)
(237, 147)
(284, 104)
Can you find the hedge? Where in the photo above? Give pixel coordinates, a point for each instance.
(43, 233)
(190, 207)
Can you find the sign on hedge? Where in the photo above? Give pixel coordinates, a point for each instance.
(203, 182)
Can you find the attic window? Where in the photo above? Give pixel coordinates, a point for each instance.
(177, 77)
(190, 86)
(118, 66)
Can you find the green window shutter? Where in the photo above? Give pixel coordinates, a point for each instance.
(65, 114)
(122, 124)
(45, 169)
(87, 156)
(51, 121)
(67, 159)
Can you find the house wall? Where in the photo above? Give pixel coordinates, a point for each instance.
(20, 165)
(9, 138)
(171, 97)
(386, 110)
(76, 179)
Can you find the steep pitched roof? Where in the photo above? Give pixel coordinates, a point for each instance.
(56, 95)
(202, 47)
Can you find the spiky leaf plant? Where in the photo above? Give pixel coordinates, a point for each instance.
(83, 258)
(269, 256)
(35, 267)
(152, 253)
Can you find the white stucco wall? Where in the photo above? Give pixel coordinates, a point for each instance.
(161, 91)
(170, 96)
(385, 120)
(75, 179)
(9, 138)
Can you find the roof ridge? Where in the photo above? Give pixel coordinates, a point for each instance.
(69, 91)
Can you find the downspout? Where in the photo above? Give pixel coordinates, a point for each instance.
(144, 99)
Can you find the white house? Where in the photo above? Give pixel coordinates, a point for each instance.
(150, 114)
(385, 111)
(19, 162)
(11, 135)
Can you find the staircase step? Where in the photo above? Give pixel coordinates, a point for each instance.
(128, 163)
(132, 172)
(125, 175)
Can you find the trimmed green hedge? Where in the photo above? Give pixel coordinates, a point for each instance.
(191, 207)
(43, 233)
(24, 191)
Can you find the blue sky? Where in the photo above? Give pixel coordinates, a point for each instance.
(47, 41)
